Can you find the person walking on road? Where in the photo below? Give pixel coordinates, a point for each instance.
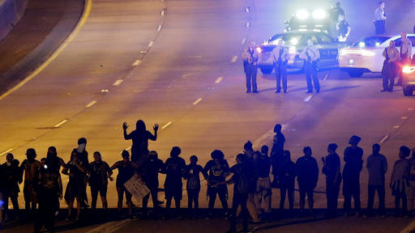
(389, 68)
(405, 54)
(280, 58)
(331, 169)
(351, 175)
(380, 18)
(250, 59)
(307, 177)
(287, 181)
(377, 166)
(140, 137)
(277, 152)
(192, 174)
(311, 55)
(218, 170)
(398, 181)
(30, 168)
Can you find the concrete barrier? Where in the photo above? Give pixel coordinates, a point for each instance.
(11, 11)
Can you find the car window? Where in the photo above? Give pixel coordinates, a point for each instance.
(412, 38)
(313, 37)
(289, 39)
(372, 41)
(324, 39)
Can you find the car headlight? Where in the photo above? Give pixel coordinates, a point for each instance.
(302, 14)
(319, 14)
(362, 44)
(294, 41)
(408, 69)
(292, 50)
(259, 49)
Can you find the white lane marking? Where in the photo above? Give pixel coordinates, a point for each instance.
(308, 98)
(247, 10)
(383, 139)
(110, 227)
(137, 63)
(411, 109)
(247, 24)
(159, 28)
(104, 91)
(91, 104)
(409, 228)
(7, 151)
(162, 12)
(151, 43)
(143, 51)
(326, 76)
(118, 82)
(404, 117)
(234, 59)
(167, 125)
(60, 123)
(197, 101)
(396, 126)
(243, 41)
(218, 80)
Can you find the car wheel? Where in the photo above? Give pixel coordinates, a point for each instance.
(267, 70)
(407, 91)
(355, 74)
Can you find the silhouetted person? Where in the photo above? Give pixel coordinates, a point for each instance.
(99, 172)
(240, 178)
(126, 170)
(174, 167)
(218, 170)
(12, 176)
(398, 181)
(84, 160)
(74, 190)
(277, 153)
(287, 180)
(250, 163)
(351, 175)
(307, 177)
(193, 171)
(53, 160)
(377, 166)
(30, 167)
(140, 137)
(263, 187)
(149, 173)
(49, 191)
(410, 189)
(331, 169)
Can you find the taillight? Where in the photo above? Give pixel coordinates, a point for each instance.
(408, 69)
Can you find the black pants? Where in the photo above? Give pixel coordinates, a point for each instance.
(251, 72)
(13, 197)
(351, 188)
(372, 189)
(221, 191)
(193, 198)
(401, 195)
(239, 200)
(283, 192)
(281, 73)
(379, 27)
(102, 190)
(154, 197)
(332, 193)
(311, 77)
(48, 205)
(388, 75)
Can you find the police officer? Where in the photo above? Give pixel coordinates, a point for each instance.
(343, 29)
(311, 55)
(405, 55)
(391, 55)
(380, 18)
(250, 57)
(280, 57)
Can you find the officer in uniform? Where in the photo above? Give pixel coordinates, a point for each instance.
(311, 55)
(391, 55)
(343, 29)
(250, 58)
(405, 55)
(280, 58)
(380, 18)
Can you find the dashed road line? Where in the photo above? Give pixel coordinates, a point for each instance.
(91, 104)
(60, 124)
(197, 101)
(218, 80)
(162, 13)
(248, 24)
(118, 82)
(137, 63)
(159, 28)
(234, 59)
(326, 76)
(383, 139)
(151, 43)
(411, 109)
(308, 98)
(167, 125)
(396, 126)
(404, 117)
(243, 41)
(247, 10)
(5, 152)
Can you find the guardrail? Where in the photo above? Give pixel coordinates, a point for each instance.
(11, 11)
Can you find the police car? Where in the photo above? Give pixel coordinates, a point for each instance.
(309, 19)
(296, 41)
(408, 79)
(366, 54)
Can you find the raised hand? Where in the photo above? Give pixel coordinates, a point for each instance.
(124, 125)
(156, 127)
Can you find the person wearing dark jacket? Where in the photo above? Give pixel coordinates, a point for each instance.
(377, 166)
(351, 175)
(277, 153)
(192, 175)
(263, 186)
(13, 177)
(140, 137)
(307, 177)
(30, 168)
(149, 173)
(287, 181)
(331, 169)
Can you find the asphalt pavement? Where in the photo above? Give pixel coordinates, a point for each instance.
(177, 63)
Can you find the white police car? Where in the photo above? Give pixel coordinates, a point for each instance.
(296, 41)
(366, 54)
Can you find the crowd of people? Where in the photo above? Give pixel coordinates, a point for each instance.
(250, 176)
